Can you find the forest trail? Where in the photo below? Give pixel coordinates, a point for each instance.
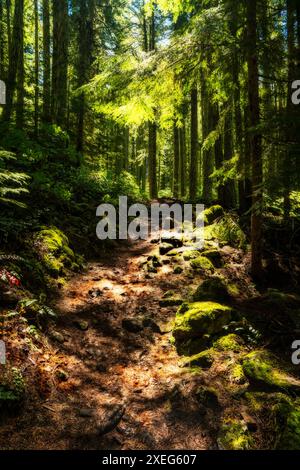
(106, 376)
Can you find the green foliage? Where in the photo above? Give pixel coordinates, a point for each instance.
(12, 184)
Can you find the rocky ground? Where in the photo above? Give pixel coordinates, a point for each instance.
(156, 346)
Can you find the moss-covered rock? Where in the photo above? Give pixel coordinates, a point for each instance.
(213, 289)
(287, 416)
(189, 255)
(178, 270)
(227, 232)
(55, 252)
(202, 264)
(204, 360)
(200, 318)
(12, 388)
(230, 342)
(234, 435)
(263, 367)
(165, 248)
(283, 414)
(211, 214)
(214, 256)
(237, 374)
(207, 397)
(173, 239)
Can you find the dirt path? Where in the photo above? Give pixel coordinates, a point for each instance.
(104, 376)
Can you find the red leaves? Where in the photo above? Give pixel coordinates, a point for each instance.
(9, 278)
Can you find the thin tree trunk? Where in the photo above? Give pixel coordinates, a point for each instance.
(46, 62)
(60, 62)
(36, 68)
(176, 161)
(182, 169)
(15, 63)
(194, 145)
(255, 140)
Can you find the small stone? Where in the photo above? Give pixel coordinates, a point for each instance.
(85, 413)
(61, 375)
(57, 336)
(82, 325)
(132, 325)
(165, 248)
(178, 270)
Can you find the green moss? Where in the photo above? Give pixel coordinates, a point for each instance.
(190, 255)
(288, 425)
(207, 397)
(165, 248)
(213, 288)
(202, 264)
(194, 346)
(56, 253)
(233, 290)
(262, 366)
(178, 270)
(200, 318)
(12, 388)
(204, 360)
(214, 256)
(211, 214)
(283, 414)
(227, 231)
(234, 435)
(229, 343)
(237, 374)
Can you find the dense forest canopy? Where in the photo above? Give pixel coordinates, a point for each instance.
(186, 99)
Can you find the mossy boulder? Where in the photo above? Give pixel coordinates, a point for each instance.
(214, 256)
(200, 318)
(165, 248)
(230, 342)
(189, 255)
(172, 239)
(207, 397)
(178, 270)
(234, 435)
(202, 264)
(288, 425)
(263, 367)
(12, 389)
(226, 231)
(55, 252)
(211, 214)
(170, 299)
(283, 413)
(213, 289)
(204, 360)
(237, 375)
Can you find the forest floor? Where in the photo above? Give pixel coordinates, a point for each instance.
(111, 372)
(106, 375)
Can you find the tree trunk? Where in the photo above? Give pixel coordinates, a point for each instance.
(46, 62)
(194, 145)
(16, 63)
(152, 160)
(36, 68)
(287, 170)
(182, 169)
(176, 161)
(153, 187)
(60, 62)
(255, 140)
